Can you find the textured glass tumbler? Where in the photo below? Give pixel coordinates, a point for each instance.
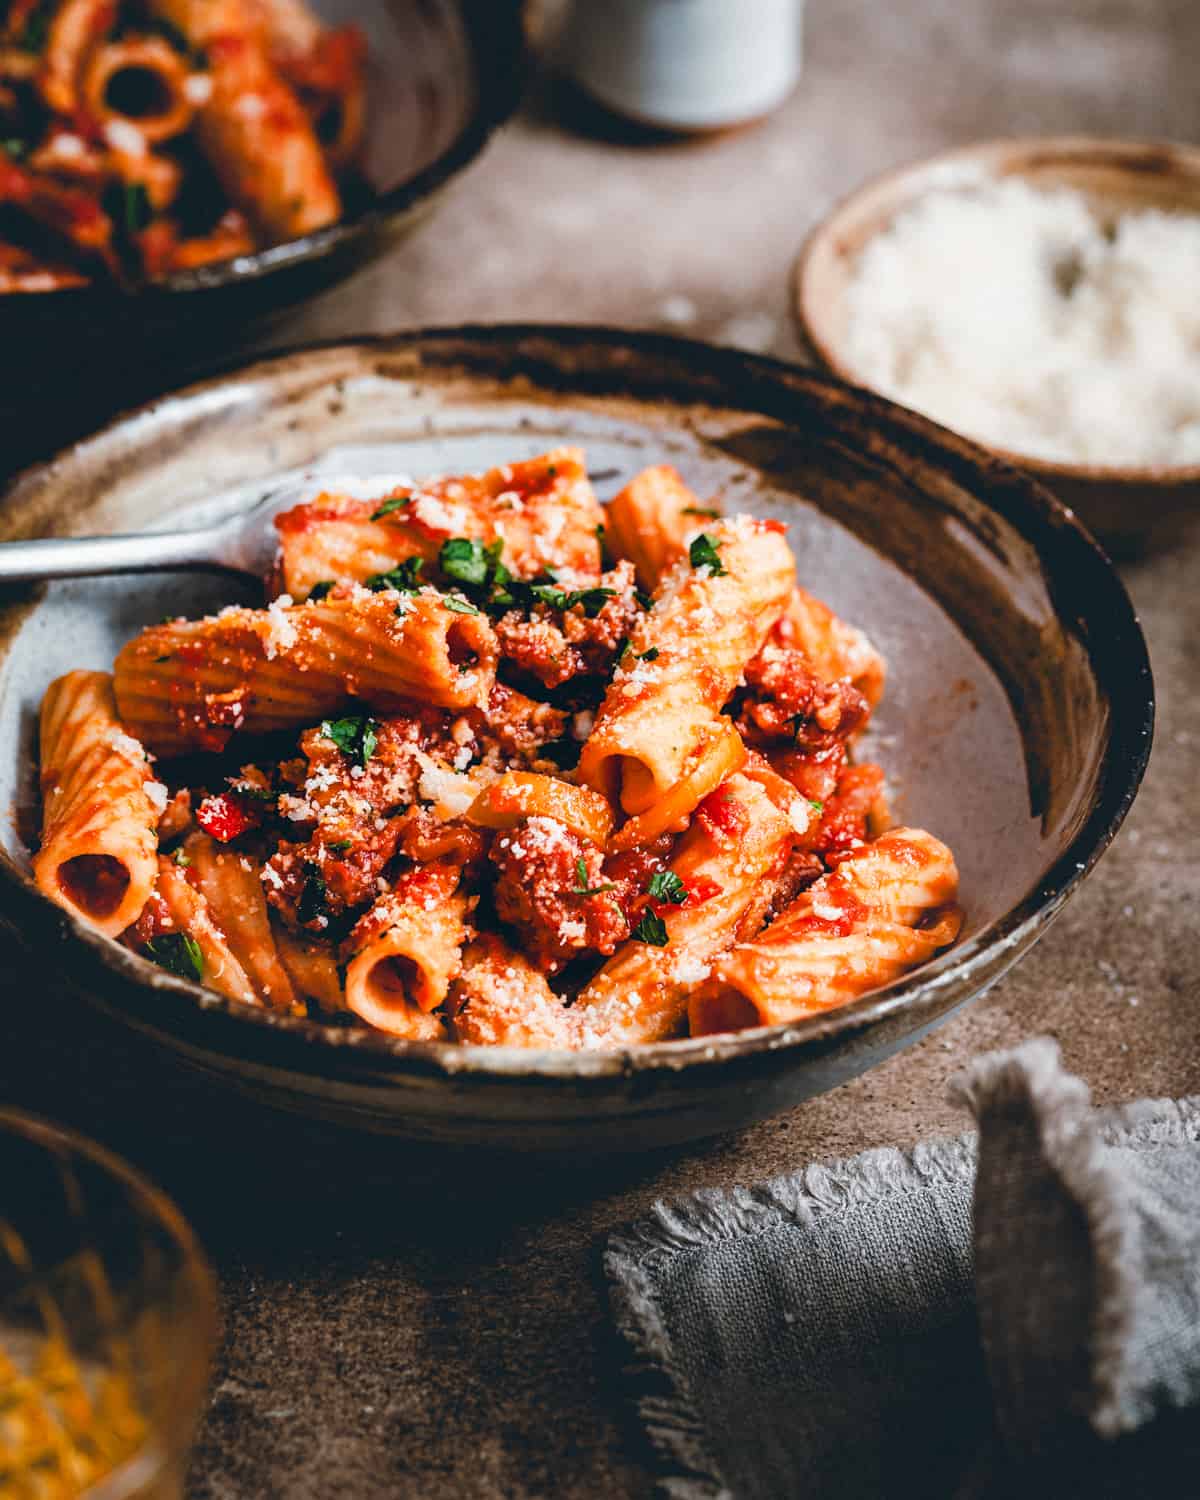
(108, 1318)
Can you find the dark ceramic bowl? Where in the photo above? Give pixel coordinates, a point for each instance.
(443, 74)
(1131, 507)
(1016, 726)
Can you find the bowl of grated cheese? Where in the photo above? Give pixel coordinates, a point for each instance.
(1037, 296)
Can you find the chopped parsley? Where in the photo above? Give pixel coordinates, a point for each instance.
(701, 510)
(622, 650)
(312, 898)
(651, 655)
(458, 605)
(340, 846)
(465, 561)
(652, 930)
(703, 554)
(355, 736)
(319, 590)
(599, 530)
(817, 807)
(136, 211)
(178, 953)
(581, 887)
(37, 28)
(667, 887)
(392, 503)
(14, 149)
(644, 599)
(404, 577)
(182, 859)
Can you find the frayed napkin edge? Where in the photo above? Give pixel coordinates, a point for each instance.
(709, 1216)
(1077, 1141)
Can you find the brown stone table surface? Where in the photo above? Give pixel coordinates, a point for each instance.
(400, 1323)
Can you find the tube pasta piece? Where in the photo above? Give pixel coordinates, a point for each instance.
(641, 993)
(312, 967)
(190, 913)
(835, 650)
(649, 521)
(291, 26)
(500, 1000)
(544, 510)
(686, 657)
(406, 951)
(75, 27)
(138, 85)
(526, 794)
(719, 754)
(882, 911)
(188, 685)
(100, 807)
(252, 127)
(231, 884)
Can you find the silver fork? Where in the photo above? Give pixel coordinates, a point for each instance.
(243, 543)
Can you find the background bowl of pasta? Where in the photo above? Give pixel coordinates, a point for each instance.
(174, 171)
(1014, 730)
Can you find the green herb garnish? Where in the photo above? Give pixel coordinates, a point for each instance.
(181, 859)
(319, 590)
(14, 149)
(651, 655)
(703, 554)
(340, 846)
(178, 953)
(312, 898)
(404, 577)
(701, 510)
(355, 736)
(464, 560)
(394, 502)
(644, 599)
(667, 887)
(652, 930)
(458, 605)
(136, 211)
(37, 29)
(817, 807)
(581, 887)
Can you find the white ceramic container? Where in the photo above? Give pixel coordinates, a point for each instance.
(685, 64)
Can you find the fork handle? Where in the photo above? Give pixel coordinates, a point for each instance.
(88, 556)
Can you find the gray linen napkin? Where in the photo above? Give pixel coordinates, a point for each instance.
(1017, 1310)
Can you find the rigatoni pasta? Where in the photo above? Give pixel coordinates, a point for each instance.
(142, 137)
(100, 806)
(478, 786)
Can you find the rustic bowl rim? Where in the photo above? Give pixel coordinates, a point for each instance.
(745, 381)
(499, 83)
(1137, 157)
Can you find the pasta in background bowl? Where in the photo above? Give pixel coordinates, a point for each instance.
(173, 171)
(456, 644)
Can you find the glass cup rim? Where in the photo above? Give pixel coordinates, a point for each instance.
(141, 1467)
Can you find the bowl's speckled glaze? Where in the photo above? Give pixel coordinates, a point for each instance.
(1016, 725)
(1131, 507)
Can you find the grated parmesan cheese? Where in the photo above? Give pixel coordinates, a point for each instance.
(197, 89)
(125, 745)
(156, 794)
(121, 135)
(1020, 318)
(690, 970)
(281, 630)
